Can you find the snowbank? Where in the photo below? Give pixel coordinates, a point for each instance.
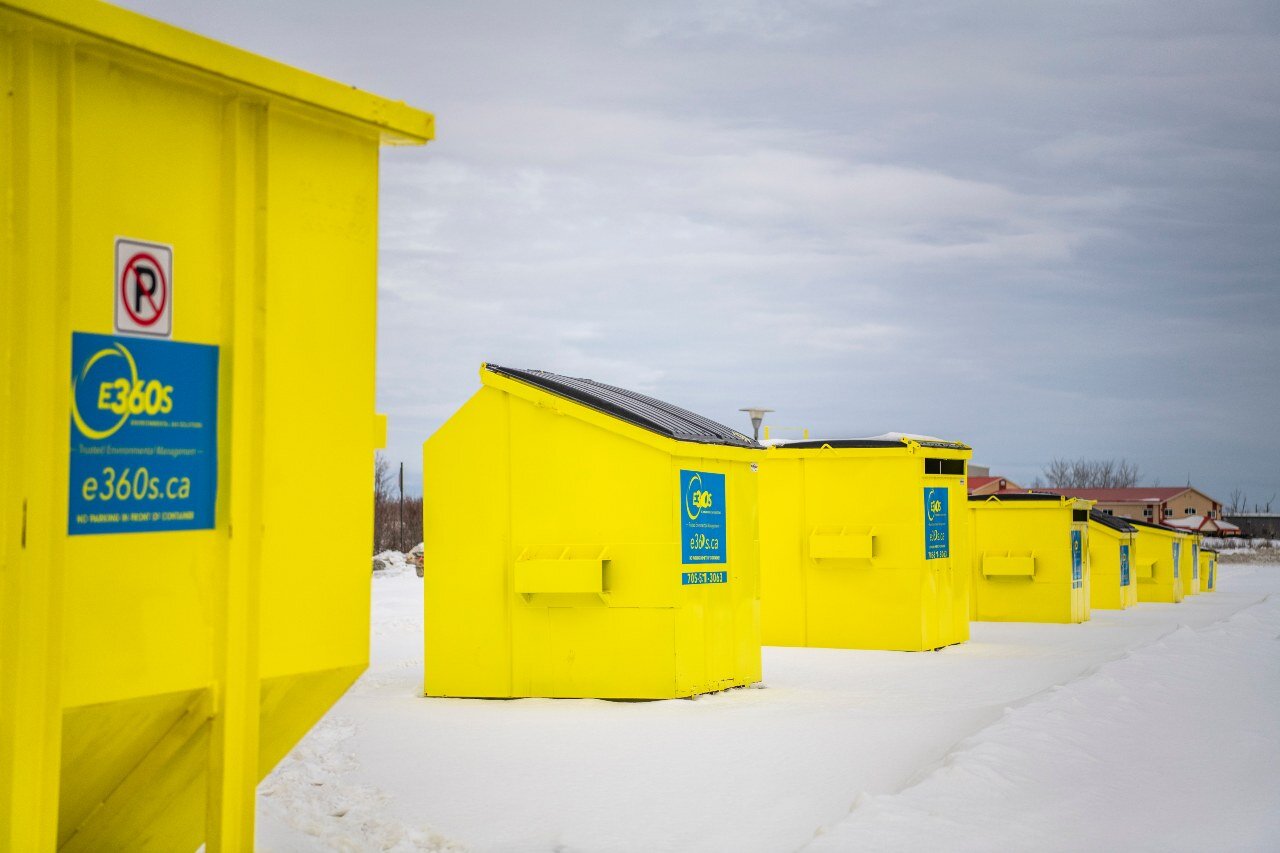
(1173, 747)
(1152, 728)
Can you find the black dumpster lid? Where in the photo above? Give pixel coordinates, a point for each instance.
(1017, 496)
(1115, 522)
(864, 443)
(654, 415)
(838, 443)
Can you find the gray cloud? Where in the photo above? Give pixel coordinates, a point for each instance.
(1047, 230)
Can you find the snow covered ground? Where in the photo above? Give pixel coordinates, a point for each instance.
(1156, 728)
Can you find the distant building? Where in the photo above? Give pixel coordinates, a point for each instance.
(1158, 504)
(991, 485)
(979, 471)
(1257, 525)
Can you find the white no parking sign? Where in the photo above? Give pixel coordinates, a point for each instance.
(144, 288)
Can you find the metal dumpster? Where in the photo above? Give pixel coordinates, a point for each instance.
(582, 540)
(1208, 570)
(1158, 562)
(1112, 584)
(1030, 558)
(864, 544)
(187, 330)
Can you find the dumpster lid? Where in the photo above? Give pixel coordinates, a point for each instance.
(1112, 521)
(1019, 496)
(838, 443)
(885, 440)
(637, 409)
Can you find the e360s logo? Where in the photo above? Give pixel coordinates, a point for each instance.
(109, 383)
(696, 498)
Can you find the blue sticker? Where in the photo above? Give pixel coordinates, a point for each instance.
(937, 533)
(144, 435)
(1077, 559)
(1124, 565)
(693, 578)
(1177, 558)
(702, 518)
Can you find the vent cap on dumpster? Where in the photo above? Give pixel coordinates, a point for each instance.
(637, 409)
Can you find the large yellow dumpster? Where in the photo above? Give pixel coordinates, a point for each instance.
(1208, 570)
(1158, 564)
(584, 540)
(187, 381)
(864, 544)
(1112, 585)
(1030, 558)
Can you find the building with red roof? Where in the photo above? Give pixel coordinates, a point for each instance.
(1159, 504)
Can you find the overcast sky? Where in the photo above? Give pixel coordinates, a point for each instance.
(1043, 229)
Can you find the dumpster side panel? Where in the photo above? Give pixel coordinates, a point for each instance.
(783, 596)
(1106, 591)
(1038, 537)
(1208, 571)
(582, 490)
(163, 580)
(467, 544)
(884, 601)
(1158, 578)
(321, 214)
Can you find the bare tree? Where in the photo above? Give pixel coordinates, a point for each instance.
(1238, 501)
(1090, 473)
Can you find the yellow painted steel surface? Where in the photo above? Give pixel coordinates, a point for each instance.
(1113, 584)
(1208, 570)
(1190, 564)
(149, 679)
(1030, 558)
(553, 562)
(1159, 563)
(845, 556)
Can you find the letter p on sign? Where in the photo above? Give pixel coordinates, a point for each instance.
(144, 288)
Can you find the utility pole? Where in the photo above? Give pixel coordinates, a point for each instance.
(401, 537)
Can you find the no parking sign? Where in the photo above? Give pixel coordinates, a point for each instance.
(144, 288)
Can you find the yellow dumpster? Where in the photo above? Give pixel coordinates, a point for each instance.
(584, 540)
(1158, 564)
(1208, 570)
(1112, 585)
(187, 376)
(1030, 558)
(863, 544)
